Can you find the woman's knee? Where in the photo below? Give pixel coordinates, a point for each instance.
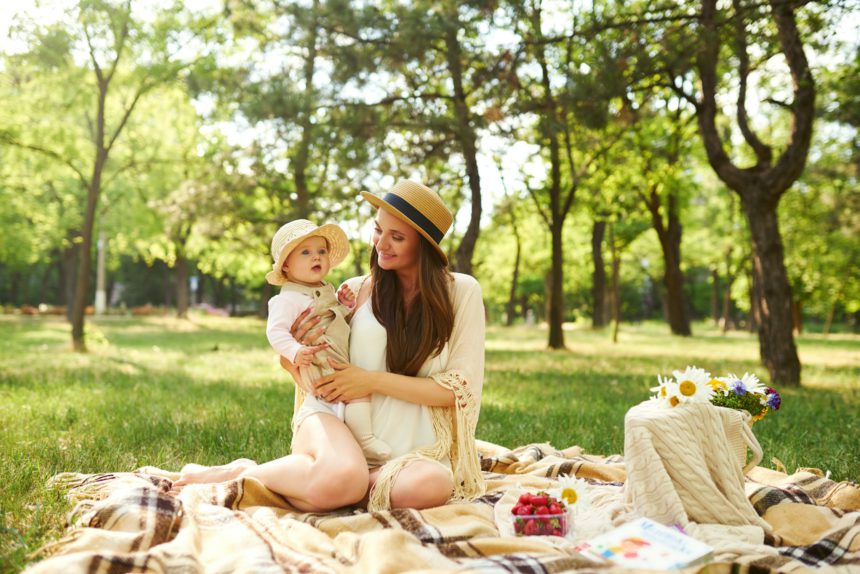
(424, 486)
(334, 486)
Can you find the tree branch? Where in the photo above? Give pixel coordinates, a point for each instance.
(119, 43)
(49, 153)
(763, 153)
(706, 61)
(540, 209)
(98, 69)
(792, 161)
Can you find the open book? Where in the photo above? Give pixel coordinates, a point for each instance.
(644, 543)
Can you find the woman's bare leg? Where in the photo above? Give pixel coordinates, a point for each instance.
(421, 484)
(326, 469)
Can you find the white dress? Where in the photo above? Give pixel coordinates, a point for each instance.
(419, 432)
(403, 425)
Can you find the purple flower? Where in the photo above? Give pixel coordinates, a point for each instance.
(739, 388)
(773, 399)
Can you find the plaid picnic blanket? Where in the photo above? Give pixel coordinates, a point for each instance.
(131, 522)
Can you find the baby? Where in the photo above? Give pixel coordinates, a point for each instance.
(303, 255)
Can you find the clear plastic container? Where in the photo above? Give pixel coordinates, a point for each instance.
(543, 524)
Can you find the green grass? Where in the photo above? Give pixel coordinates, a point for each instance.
(162, 392)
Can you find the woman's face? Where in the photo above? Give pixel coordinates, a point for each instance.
(396, 243)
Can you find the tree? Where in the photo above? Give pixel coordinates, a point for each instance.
(431, 64)
(762, 185)
(571, 110)
(662, 143)
(126, 60)
(722, 38)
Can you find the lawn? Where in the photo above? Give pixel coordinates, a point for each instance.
(162, 392)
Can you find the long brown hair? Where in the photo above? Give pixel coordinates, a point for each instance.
(420, 330)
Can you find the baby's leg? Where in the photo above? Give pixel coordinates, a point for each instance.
(357, 418)
(195, 473)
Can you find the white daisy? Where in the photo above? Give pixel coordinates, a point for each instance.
(749, 383)
(573, 491)
(693, 385)
(665, 390)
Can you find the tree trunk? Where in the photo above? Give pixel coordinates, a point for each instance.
(167, 286)
(754, 314)
(198, 293)
(43, 284)
(265, 295)
(598, 275)
(515, 278)
(101, 288)
(466, 136)
(715, 296)
(616, 289)
(797, 317)
(234, 298)
(669, 234)
(556, 290)
(305, 121)
(778, 351)
(828, 322)
(727, 304)
(82, 283)
(14, 289)
(182, 295)
(68, 274)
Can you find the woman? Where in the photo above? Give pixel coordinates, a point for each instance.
(416, 346)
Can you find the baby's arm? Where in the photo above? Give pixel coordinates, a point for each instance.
(283, 310)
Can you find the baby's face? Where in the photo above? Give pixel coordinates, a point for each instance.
(308, 263)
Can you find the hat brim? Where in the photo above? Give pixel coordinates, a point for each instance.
(338, 246)
(380, 203)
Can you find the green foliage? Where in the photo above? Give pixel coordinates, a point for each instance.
(749, 402)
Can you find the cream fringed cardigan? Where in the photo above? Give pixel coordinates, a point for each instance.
(454, 427)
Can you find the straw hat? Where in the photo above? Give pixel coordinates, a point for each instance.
(420, 207)
(291, 234)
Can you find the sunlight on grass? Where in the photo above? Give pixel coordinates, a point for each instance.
(161, 391)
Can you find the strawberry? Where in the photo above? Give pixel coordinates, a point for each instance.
(540, 500)
(531, 527)
(525, 498)
(542, 510)
(554, 508)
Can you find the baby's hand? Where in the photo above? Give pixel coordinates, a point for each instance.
(304, 357)
(346, 296)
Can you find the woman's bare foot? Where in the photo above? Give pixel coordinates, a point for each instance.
(197, 474)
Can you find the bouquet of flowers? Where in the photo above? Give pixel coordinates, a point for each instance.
(697, 385)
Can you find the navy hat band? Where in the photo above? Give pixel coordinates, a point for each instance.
(416, 216)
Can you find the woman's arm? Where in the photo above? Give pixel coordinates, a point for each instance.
(465, 362)
(349, 382)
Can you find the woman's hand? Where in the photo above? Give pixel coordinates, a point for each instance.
(301, 330)
(347, 383)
